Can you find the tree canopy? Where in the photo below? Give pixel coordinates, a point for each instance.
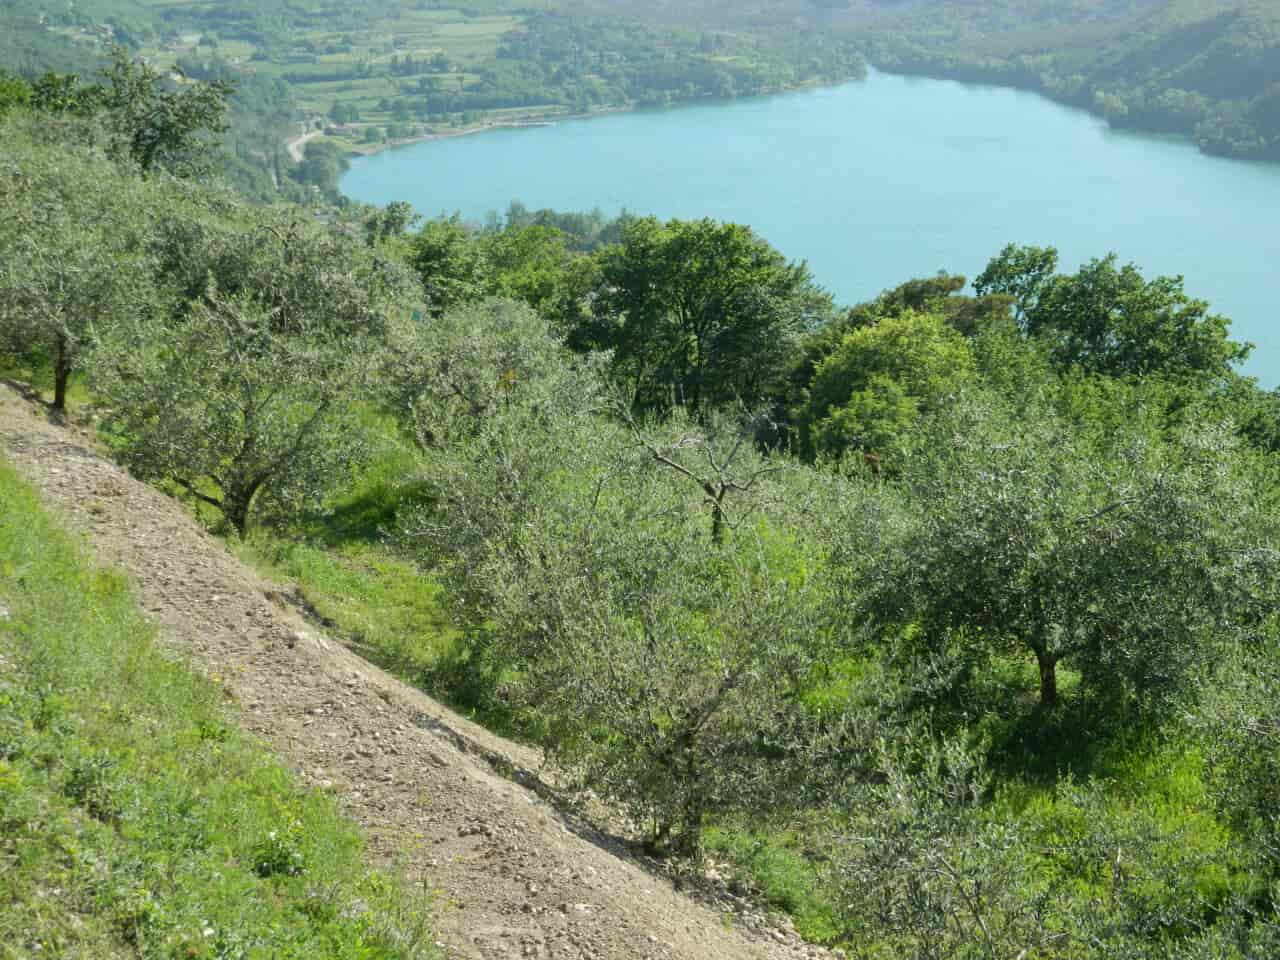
(879, 381)
(1108, 319)
(1132, 561)
(699, 312)
(241, 393)
(76, 261)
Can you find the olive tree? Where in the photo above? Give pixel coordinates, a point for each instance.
(717, 454)
(1241, 723)
(300, 273)
(241, 416)
(917, 872)
(1128, 558)
(923, 870)
(247, 392)
(448, 376)
(661, 668)
(676, 693)
(662, 671)
(493, 399)
(74, 252)
(161, 121)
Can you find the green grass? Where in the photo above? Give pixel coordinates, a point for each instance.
(135, 819)
(773, 864)
(383, 605)
(386, 609)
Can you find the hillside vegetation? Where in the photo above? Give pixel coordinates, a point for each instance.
(385, 71)
(947, 618)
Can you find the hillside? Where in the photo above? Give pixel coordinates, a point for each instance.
(511, 873)
(943, 621)
(387, 71)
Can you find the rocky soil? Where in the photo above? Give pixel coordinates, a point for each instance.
(454, 806)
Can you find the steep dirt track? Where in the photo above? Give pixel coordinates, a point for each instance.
(516, 877)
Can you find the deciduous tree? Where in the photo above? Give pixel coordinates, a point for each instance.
(1108, 319)
(1022, 272)
(880, 379)
(449, 262)
(699, 312)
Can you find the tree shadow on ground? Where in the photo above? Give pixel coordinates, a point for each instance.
(1079, 738)
(366, 515)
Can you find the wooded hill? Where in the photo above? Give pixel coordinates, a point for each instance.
(1209, 69)
(387, 70)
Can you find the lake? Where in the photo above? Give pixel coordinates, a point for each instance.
(877, 181)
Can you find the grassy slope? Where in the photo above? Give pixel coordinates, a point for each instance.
(381, 603)
(134, 819)
(1144, 784)
(387, 608)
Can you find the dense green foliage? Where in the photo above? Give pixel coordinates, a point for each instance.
(74, 258)
(155, 119)
(951, 616)
(163, 831)
(1126, 559)
(1109, 320)
(699, 312)
(878, 381)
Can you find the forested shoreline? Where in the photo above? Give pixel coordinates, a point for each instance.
(1208, 70)
(948, 618)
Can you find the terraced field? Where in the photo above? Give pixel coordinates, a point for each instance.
(391, 70)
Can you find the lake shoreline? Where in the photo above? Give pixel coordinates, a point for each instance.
(551, 120)
(521, 124)
(876, 182)
(977, 78)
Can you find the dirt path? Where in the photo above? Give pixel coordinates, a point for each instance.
(297, 146)
(516, 876)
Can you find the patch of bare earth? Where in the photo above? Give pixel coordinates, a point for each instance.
(516, 875)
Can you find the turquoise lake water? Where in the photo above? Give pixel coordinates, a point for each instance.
(877, 181)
